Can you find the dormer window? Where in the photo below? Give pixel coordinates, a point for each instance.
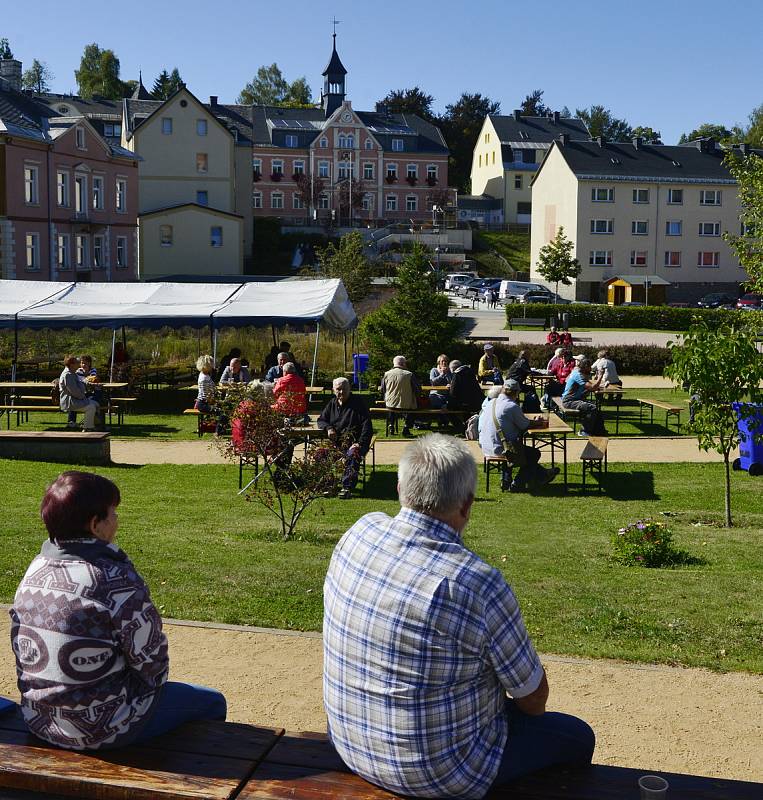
(292, 140)
(397, 145)
(323, 142)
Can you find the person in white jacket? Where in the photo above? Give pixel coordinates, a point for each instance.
(74, 396)
(605, 366)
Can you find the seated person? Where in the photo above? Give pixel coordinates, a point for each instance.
(73, 394)
(605, 367)
(560, 368)
(520, 371)
(348, 424)
(465, 391)
(502, 426)
(103, 609)
(553, 337)
(207, 390)
(235, 372)
(271, 359)
(400, 389)
(557, 355)
(566, 338)
(489, 370)
(276, 372)
(92, 386)
(578, 385)
(121, 369)
(234, 352)
(440, 376)
(290, 394)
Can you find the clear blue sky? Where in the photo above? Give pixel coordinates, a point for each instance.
(672, 64)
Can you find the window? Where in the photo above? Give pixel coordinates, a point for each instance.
(411, 203)
(323, 169)
(98, 252)
(112, 129)
(216, 236)
(276, 200)
(346, 140)
(411, 171)
(121, 252)
(80, 194)
(121, 194)
(202, 197)
(291, 140)
(675, 197)
(487, 138)
(639, 227)
(296, 201)
(599, 194)
(256, 199)
(672, 258)
(33, 251)
(80, 134)
(201, 127)
(369, 144)
(480, 159)
(709, 228)
(391, 203)
(392, 171)
(368, 202)
(202, 163)
(431, 172)
(397, 145)
(324, 142)
(673, 227)
(277, 166)
(638, 258)
(346, 170)
(528, 156)
(641, 195)
(299, 168)
(62, 251)
(524, 207)
(708, 259)
(493, 159)
(517, 181)
(81, 251)
(31, 186)
(62, 188)
(600, 258)
(602, 226)
(98, 200)
(323, 201)
(165, 236)
(167, 126)
(368, 172)
(257, 165)
(709, 197)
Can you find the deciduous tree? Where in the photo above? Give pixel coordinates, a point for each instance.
(98, 73)
(5, 49)
(720, 367)
(37, 77)
(410, 101)
(309, 190)
(269, 87)
(748, 244)
(176, 82)
(646, 133)
(708, 130)
(754, 133)
(601, 121)
(347, 261)
(556, 262)
(533, 105)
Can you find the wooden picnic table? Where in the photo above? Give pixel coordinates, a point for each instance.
(552, 437)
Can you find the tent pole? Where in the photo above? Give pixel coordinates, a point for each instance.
(214, 346)
(113, 347)
(15, 349)
(273, 331)
(315, 354)
(124, 337)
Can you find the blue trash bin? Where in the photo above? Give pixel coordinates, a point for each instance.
(751, 444)
(359, 366)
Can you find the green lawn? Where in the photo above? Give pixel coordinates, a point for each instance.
(209, 555)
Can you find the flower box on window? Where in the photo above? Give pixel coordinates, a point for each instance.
(391, 178)
(431, 181)
(276, 176)
(412, 180)
(256, 176)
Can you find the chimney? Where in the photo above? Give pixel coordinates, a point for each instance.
(706, 145)
(564, 139)
(637, 142)
(381, 109)
(10, 71)
(517, 114)
(213, 100)
(601, 141)
(556, 117)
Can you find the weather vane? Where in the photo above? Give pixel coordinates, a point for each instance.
(335, 22)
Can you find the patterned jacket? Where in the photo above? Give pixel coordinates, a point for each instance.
(91, 656)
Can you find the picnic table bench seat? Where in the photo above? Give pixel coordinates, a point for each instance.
(670, 409)
(394, 413)
(594, 458)
(566, 413)
(528, 322)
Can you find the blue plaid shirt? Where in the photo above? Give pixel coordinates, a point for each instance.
(421, 640)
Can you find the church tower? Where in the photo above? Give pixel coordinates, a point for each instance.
(333, 84)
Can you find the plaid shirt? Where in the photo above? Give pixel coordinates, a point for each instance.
(422, 639)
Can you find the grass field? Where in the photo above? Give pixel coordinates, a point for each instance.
(209, 555)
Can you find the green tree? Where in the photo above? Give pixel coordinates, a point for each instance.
(5, 49)
(754, 133)
(646, 133)
(347, 261)
(748, 244)
(37, 77)
(601, 121)
(720, 367)
(176, 82)
(533, 105)
(98, 73)
(270, 88)
(299, 95)
(708, 130)
(413, 323)
(410, 101)
(556, 262)
(161, 88)
(461, 125)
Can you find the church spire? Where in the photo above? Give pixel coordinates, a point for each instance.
(334, 82)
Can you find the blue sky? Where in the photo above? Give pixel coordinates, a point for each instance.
(672, 64)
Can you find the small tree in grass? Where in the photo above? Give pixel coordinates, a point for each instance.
(284, 485)
(556, 262)
(719, 367)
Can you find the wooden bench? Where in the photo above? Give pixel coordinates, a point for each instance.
(24, 410)
(62, 446)
(527, 322)
(393, 414)
(594, 458)
(496, 464)
(566, 413)
(202, 419)
(669, 409)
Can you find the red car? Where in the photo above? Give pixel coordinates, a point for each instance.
(750, 301)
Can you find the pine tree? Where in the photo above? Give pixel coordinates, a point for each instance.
(556, 262)
(176, 82)
(161, 87)
(348, 262)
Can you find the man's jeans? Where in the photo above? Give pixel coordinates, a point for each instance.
(591, 419)
(182, 702)
(541, 741)
(352, 461)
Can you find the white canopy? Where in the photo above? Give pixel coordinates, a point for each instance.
(15, 296)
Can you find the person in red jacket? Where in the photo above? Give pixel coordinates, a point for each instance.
(290, 393)
(560, 368)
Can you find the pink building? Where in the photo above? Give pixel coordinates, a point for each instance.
(68, 198)
(334, 163)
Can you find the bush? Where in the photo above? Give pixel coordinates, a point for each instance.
(646, 543)
(659, 318)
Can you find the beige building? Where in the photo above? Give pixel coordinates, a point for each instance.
(635, 209)
(194, 189)
(507, 155)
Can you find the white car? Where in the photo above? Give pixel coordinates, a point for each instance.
(456, 279)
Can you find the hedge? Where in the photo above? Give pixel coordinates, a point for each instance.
(659, 318)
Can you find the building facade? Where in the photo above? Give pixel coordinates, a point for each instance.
(507, 155)
(335, 164)
(636, 209)
(68, 197)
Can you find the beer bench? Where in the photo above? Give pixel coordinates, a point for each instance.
(594, 458)
(669, 409)
(527, 322)
(394, 413)
(565, 413)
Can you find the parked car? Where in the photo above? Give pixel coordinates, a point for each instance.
(750, 302)
(478, 290)
(543, 297)
(455, 279)
(715, 300)
(632, 303)
(469, 288)
(513, 291)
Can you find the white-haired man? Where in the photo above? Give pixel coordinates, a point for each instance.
(422, 642)
(400, 389)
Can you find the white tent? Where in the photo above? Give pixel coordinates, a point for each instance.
(15, 296)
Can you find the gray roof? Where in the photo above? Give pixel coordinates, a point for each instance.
(96, 108)
(335, 65)
(479, 201)
(536, 129)
(237, 118)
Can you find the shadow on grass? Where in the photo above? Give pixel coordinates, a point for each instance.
(130, 431)
(380, 486)
(629, 485)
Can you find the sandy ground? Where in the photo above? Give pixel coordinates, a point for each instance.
(645, 717)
